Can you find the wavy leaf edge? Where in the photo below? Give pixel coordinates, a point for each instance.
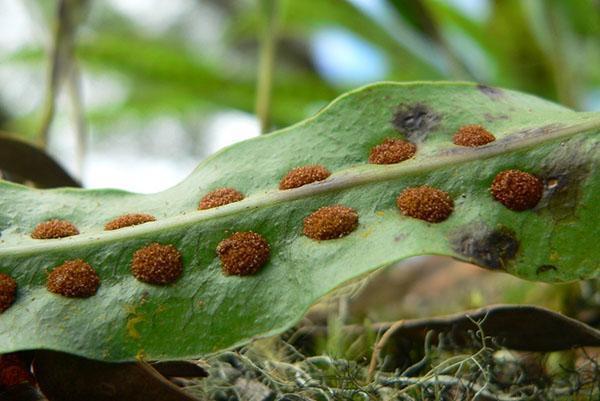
(342, 179)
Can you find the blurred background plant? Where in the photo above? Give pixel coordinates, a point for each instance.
(132, 94)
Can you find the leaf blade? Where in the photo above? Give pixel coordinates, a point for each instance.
(128, 319)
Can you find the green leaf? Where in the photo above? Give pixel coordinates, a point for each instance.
(168, 77)
(403, 45)
(164, 78)
(206, 311)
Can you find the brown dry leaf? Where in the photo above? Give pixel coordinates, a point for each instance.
(517, 327)
(64, 377)
(33, 164)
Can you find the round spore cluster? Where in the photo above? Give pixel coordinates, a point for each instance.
(220, 197)
(157, 264)
(472, 136)
(425, 203)
(300, 176)
(392, 150)
(73, 279)
(8, 291)
(243, 253)
(517, 190)
(330, 222)
(127, 220)
(54, 229)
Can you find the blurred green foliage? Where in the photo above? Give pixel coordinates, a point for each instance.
(547, 47)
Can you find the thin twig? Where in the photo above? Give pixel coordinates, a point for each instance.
(458, 69)
(565, 80)
(448, 381)
(417, 367)
(268, 41)
(68, 15)
(60, 57)
(78, 112)
(379, 346)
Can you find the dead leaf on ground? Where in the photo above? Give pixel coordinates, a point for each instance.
(517, 327)
(33, 164)
(64, 377)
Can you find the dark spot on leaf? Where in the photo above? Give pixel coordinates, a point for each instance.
(491, 92)
(489, 117)
(545, 269)
(415, 120)
(492, 249)
(400, 237)
(551, 183)
(563, 188)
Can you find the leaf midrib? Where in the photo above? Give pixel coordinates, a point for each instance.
(351, 177)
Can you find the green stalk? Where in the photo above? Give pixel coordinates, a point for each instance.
(61, 53)
(458, 69)
(565, 80)
(78, 112)
(268, 10)
(69, 14)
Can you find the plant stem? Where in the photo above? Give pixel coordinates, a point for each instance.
(69, 14)
(379, 346)
(62, 37)
(78, 113)
(458, 69)
(268, 10)
(565, 80)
